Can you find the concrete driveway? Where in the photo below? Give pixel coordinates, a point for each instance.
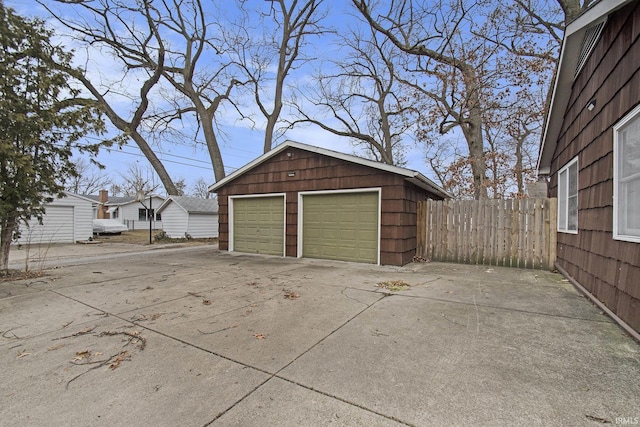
(193, 337)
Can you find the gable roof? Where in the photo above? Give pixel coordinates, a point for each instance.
(571, 55)
(410, 175)
(192, 204)
(79, 196)
(121, 201)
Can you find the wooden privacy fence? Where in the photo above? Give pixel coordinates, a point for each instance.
(514, 233)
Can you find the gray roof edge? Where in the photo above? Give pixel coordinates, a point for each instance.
(179, 201)
(563, 78)
(423, 182)
(79, 196)
(407, 173)
(134, 200)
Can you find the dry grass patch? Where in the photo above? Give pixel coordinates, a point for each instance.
(141, 237)
(12, 275)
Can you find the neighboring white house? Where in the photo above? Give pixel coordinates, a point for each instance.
(66, 220)
(127, 210)
(189, 217)
(134, 215)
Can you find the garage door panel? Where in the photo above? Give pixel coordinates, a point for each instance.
(342, 226)
(259, 225)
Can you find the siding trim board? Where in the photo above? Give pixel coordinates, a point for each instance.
(617, 150)
(303, 194)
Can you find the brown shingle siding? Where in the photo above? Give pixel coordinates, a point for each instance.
(628, 308)
(316, 172)
(627, 277)
(608, 268)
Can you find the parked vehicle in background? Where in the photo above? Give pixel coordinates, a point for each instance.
(108, 226)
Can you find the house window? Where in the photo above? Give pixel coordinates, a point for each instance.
(158, 216)
(142, 214)
(626, 181)
(568, 197)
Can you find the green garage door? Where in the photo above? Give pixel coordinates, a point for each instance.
(258, 225)
(341, 226)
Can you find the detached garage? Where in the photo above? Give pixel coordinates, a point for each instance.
(189, 216)
(66, 220)
(303, 201)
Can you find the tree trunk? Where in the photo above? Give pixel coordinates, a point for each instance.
(8, 227)
(268, 134)
(472, 130)
(212, 144)
(519, 167)
(157, 165)
(478, 165)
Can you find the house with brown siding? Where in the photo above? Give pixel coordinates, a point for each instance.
(591, 154)
(299, 200)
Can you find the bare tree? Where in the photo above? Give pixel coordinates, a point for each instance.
(362, 99)
(202, 71)
(286, 29)
(88, 180)
(136, 178)
(448, 67)
(201, 189)
(108, 27)
(183, 68)
(482, 68)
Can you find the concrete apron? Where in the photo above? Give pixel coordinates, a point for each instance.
(200, 337)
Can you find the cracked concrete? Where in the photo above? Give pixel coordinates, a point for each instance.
(241, 340)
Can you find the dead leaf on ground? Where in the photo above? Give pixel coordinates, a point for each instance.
(394, 285)
(260, 336)
(290, 294)
(55, 347)
(206, 302)
(22, 354)
(81, 355)
(121, 357)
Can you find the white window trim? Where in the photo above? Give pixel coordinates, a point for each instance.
(565, 214)
(251, 196)
(634, 114)
(301, 195)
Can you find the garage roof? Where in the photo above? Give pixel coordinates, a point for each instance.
(195, 205)
(410, 175)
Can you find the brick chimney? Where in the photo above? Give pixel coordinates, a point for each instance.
(103, 198)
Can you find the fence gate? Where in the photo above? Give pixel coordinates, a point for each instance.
(513, 233)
